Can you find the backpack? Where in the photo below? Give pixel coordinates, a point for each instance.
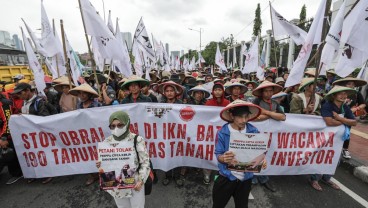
(149, 181)
(52, 110)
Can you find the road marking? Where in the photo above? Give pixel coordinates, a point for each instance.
(251, 196)
(359, 133)
(353, 195)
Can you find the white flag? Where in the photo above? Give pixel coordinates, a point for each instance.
(36, 41)
(192, 63)
(185, 64)
(282, 27)
(51, 68)
(177, 63)
(34, 65)
(331, 48)
(123, 65)
(219, 60)
(172, 62)
(49, 42)
(74, 67)
(297, 72)
(262, 62)
(99, 60)
(138, 60)
(165, 58)
(251, 58)
(158, 50)
(354, 35)
(141, 39)
(109, 23)
(200, 59)
(94, 24)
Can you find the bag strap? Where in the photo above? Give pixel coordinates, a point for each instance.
(135, 148)
(35, 104)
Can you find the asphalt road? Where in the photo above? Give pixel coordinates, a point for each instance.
(293, 191)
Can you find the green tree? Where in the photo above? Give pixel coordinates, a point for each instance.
(229, 41)
(303, 17)
(257, 21)
(209, 51)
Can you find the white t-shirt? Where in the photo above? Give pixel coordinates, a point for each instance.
(238, 175)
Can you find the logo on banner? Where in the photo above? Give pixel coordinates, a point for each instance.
(158, 111)
(187, 113)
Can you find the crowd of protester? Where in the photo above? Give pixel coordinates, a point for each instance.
(328, 97)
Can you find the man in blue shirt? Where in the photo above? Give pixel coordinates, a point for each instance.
(229, 183)
(335, 113)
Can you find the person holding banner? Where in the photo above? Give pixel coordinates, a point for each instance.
(231, 183)
(355, 102)
(8, 156)
(119, 123)
(87, 96)
(171, 91)
(34, 105)
(270, 110)
(199, 96)
(335, 112)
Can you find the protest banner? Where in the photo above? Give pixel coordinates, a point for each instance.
(117, 165)
(248, 148)
(176, 135)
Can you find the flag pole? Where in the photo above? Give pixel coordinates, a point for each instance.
(89, 49)
(273, 33)
(323, 36)
(57, 64)
(67, 60)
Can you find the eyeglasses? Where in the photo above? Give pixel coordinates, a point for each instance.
(113, 126)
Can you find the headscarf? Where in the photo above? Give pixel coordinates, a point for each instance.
(123, 117)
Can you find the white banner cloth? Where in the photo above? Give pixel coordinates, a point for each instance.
(176, 135)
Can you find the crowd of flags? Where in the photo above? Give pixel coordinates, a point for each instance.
(108, 46)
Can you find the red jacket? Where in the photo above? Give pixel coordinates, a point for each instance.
(213, 100)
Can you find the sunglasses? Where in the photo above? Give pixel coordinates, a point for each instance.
(113, 126)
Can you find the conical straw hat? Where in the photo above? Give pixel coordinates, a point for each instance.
(83, 88)
(255, 110)
(258, 91)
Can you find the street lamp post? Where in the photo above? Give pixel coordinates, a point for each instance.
(200, 37)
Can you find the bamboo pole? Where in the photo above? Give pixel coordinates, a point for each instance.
(324, 34)
(89, 50)
(57, 61)
(67, 60)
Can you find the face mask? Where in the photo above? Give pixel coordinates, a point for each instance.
(118, 132)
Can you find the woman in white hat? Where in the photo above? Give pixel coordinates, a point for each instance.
(231, 183)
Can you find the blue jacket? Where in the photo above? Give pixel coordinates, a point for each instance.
(223, 145)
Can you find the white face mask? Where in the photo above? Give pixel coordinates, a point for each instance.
(118, 132)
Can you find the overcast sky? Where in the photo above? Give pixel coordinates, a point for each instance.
(167, 20)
